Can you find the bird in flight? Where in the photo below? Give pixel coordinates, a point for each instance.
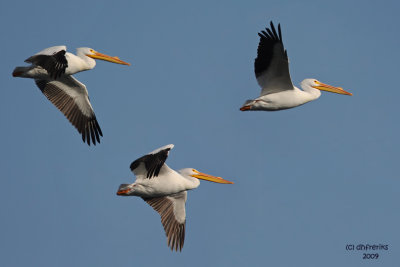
(52, 70)
(272, 72)
(165, 190)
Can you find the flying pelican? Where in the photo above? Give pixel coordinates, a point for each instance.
(272, 72)
(165, 190)
(52, 69)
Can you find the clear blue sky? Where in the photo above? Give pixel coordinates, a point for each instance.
(308, 181)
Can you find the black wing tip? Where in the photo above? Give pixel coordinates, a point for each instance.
(271, 33)
(153, 162)
(177, 241)
(92, 132)
(270, 39)
(61, 63)
(133, 166)
(63, 51)
(161, 157)
(136, 163)
(273, 26)
(54, 64)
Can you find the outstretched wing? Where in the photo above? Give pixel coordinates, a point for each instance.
(151, 164)
(71, 98)
(51, 59)
(173, 217)
(272, 65)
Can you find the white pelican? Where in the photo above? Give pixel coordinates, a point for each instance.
(272, 72)
(52, 69)
(165, 190)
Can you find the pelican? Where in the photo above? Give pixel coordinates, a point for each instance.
(165, 190)
(52, 70)
(272, 72)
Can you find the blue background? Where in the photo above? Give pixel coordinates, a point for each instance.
(308, 181)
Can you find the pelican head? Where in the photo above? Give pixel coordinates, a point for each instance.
(313, 83)
(190, 172)
(89, 52)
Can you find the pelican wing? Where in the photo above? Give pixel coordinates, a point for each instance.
(51, 50)
(71, 98)
(173, 217)
(151, 164)
(272, 65)
(51, 59)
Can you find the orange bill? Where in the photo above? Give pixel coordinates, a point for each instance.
(211, 178)
(330, 88)
(97, 55)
